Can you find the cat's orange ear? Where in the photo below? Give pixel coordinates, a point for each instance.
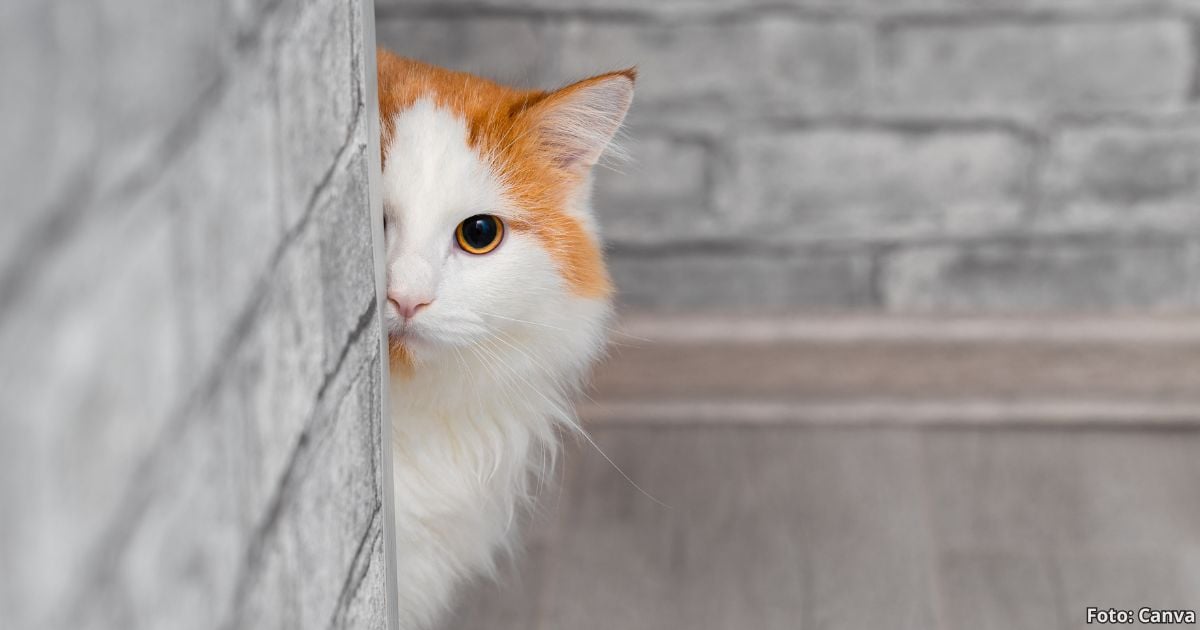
(576, 123)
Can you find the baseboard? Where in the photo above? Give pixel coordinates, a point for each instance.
(885, 370)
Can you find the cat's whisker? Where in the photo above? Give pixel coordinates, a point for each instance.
(479, 401)
(549, 445)
(524, 321)
(611, 165)
(487, 366)
(533, 358)
(618, 331)
(610, 329)
(579, 430)
(618, 344)
(556, 406)
(617, 468)
(501, 371)
(536, 360)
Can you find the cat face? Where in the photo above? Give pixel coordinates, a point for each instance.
(485, 192)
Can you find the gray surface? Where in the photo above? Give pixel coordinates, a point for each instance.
(803, 527)
(892, 155)
(902, 367)
(189, 370)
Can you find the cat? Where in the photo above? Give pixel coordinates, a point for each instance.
(498, 303)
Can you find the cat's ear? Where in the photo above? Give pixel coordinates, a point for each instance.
(576, 123)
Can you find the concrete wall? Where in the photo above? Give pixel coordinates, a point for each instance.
(190, 376)
(893, 155)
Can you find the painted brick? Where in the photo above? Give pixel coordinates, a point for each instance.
(1122, 179)
(840, 7)
(168, 350)
(1042, 275)
(224, 204)
(1008, 7)
(310, 549)
(85, 393)
(55, 141)
(280, 368)
(772, 66)
(317, 101)
(144, 92)
(367, 603)
(1081, 8)
(1032, 8)
(470, 45)
(871, 184)
(1034, 70)
(744, 282)
(159, 575)
(347, 263)
(659, 194)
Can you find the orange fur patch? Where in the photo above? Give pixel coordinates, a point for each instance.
(399, 359)
(502, 126)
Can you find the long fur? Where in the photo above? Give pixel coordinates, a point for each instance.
(483, 377)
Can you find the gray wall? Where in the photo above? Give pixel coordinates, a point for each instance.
(190, 366)
(894, 155)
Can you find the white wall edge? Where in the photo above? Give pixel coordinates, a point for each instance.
(374, 194)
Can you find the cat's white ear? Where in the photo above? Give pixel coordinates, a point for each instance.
(576, 123)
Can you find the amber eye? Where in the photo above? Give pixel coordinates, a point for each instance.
(479, 234)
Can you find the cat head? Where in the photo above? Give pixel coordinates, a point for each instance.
(486, 203)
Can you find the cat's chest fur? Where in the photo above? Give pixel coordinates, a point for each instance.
(458, 478)
(456, 482)
(473, 440)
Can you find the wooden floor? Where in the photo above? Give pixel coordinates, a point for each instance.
(858, 473)
(825, 527)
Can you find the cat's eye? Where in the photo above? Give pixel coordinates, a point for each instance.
(479, 234)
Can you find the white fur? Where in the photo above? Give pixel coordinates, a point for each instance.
(498, 353)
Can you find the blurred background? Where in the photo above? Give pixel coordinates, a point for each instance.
(908, 294)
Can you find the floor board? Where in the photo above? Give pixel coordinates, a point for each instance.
(828, 528)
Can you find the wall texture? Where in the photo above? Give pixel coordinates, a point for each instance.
(190, 376)
(874, 154)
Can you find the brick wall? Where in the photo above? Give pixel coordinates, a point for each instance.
(895, 155)
(190, 375)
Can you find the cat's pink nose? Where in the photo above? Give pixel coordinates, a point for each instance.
(407, 306)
